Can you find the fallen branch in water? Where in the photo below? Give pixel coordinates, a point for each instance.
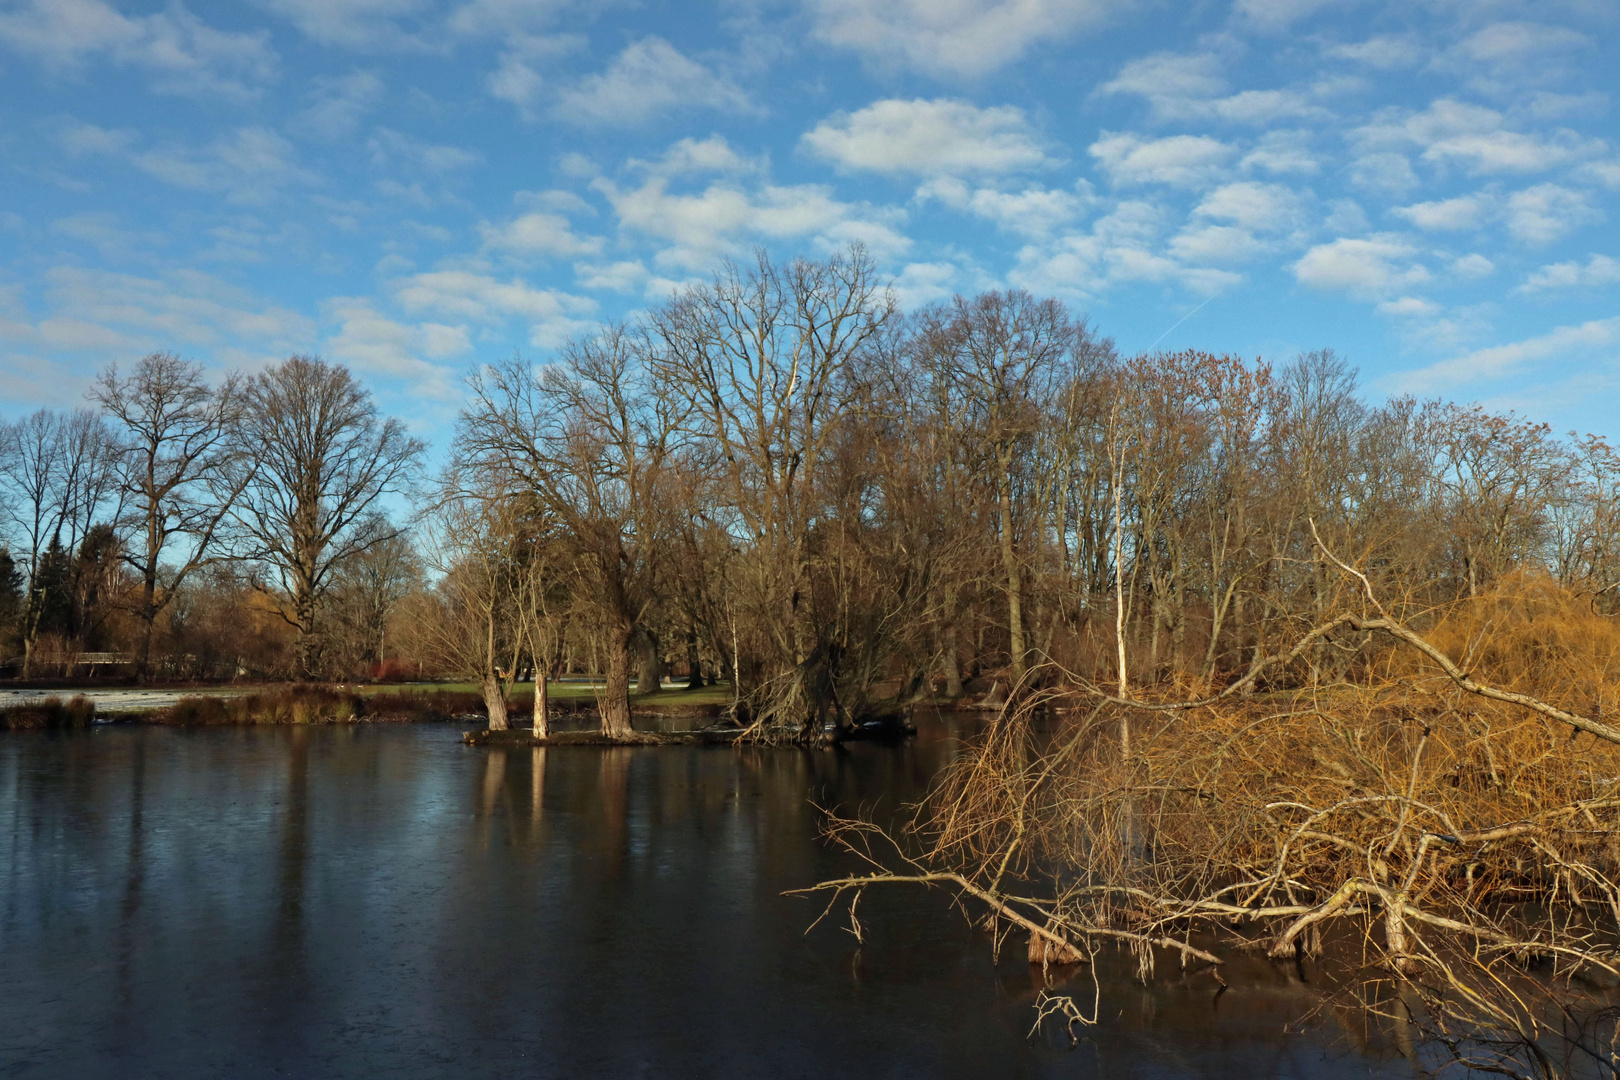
(1003, 907)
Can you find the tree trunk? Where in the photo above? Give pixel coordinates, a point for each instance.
(143, 653)
(615, 700)
(542, 699)
(649, 668)
(494, 701)
(694, 664)
(950, 666)
(1015, 598)
(308, 640)
(148, 616)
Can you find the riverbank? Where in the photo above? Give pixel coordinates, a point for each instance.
(284, 703)
(892, 729)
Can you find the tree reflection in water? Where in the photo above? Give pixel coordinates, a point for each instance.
(384, 901)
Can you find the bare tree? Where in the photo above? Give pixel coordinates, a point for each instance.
(1006, 357)
(369, 587)
(57, 471)
(592, 443)
(766, 351)
(325, 461)
(474, 628)
(180, 469)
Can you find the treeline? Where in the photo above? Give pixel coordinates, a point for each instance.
(184, 529)
(781, 481)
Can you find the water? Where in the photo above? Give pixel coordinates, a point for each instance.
(382, 901)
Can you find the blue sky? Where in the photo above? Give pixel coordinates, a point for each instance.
(412, 186)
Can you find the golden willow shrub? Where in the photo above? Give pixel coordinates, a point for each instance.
(1451, 859)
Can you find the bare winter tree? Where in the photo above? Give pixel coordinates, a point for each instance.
(474, 628)
(591, 442)
(369, 587)
(1006, 356)
(57, 472)
(325, 461)
(766, 349)
(180, 470)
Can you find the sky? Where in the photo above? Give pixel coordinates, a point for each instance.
(415, 187)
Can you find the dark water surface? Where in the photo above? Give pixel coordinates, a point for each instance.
(384, 902)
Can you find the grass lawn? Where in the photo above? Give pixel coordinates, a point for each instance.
(565, 691)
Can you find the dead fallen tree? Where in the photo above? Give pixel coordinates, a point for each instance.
(1448, 819)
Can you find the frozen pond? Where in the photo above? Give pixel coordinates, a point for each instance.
(382, 901)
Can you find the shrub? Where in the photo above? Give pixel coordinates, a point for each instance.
(78, 712)
(289, 705)
(317, 705)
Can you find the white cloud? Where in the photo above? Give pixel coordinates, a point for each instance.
(1553, 348)
(1546, 212)
(703, 227)
(1477, 138)
(183, 54)
(691, 157)
(1278, 14)
(1547, 105)
(954, 38)
(1216, 244)
(103, 231)
(1409, 307)
(922, 283)
(622, 277)
(1180, 160)
(1365, 268)
(340, 103)
(1118, 250)
(552, 315)
(556, 200)
(516, 79)
(111, 316)
(1190, 87)
(1474, 265)
(1387, 173)
(78, 139)
(1261, 207)
(251, 165)
(1386, 52)
(1515, 52)
(503, 17)
(1345, 216)
(413, 193)
(1282, 153)
(1034, 211)
(1598, 271)
(363, 25)
(1170, 77)
(1449, 215)
(389, 147)
(939, 136)
(1261, 107)
(539, 235)
(373, 343)
(1606, 173)
(648, 78)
